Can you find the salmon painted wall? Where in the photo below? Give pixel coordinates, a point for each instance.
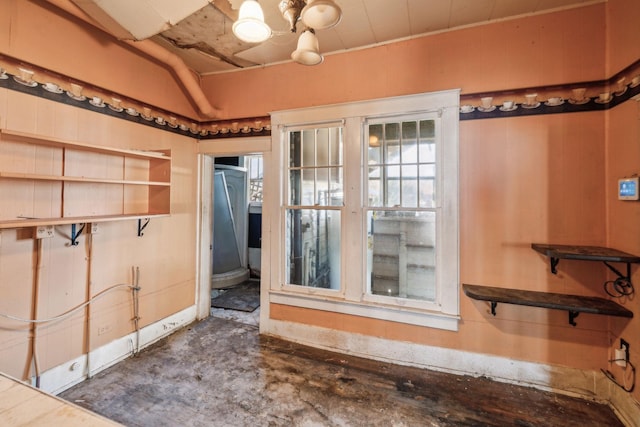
(164, 254)
(548, 49)
(523, 180)
(623, 160)
(41, 34)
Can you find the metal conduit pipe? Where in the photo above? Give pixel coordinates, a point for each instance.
(184, 74)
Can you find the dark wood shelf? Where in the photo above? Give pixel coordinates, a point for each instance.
(586, 253)
(591, 253)
(574, 304)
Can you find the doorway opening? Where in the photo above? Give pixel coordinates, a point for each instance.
(236, 236)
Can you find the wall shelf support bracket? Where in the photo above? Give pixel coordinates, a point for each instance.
(554, 264)
(494, 304)
(75, 233)
(142, 226)
(620, 275)
(572, 317)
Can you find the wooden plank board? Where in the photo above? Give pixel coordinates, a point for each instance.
(34, 222)
(587, 253)
(21, 404)
(574, 303)
(56, 142)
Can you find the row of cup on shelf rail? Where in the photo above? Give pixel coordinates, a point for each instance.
(531, 99)
(25, 77)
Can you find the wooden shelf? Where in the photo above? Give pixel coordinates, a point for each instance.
(51, 181)
(586, 253)
(574, 304)
(37, 222)
(30, 138)
(37, 177)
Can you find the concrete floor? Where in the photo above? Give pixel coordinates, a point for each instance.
(220, 372)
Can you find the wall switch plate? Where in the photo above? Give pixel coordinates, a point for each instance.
(620, 356)
(44, 231)
(94, 228)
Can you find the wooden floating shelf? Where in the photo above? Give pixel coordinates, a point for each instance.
(586, 253)
(574, 304)
(56, 142)
(36, 222)
(37, 177)
(125, 183)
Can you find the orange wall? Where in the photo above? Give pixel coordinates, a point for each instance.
(523, 180)
(41, 34)
(623, 160)
(541, 50)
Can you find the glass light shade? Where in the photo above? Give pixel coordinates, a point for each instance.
(321, 14)
(308, 51)
(250, 26)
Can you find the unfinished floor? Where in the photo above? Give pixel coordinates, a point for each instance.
(220, 372)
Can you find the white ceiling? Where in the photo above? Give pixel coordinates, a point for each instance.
(206, 43)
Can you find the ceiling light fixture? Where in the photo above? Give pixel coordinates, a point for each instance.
(314, 14)
(250, 26)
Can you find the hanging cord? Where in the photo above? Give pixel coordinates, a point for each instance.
(621, 287)
(624, 379)
(70, 311)
(135, 289)
(34, 312)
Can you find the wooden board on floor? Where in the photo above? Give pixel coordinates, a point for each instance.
(21, 404)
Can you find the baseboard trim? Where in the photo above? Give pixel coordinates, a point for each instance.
(589, 385)
(60, 378)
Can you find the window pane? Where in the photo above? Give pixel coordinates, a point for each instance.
(393, 186)
(375, 189)
(427, 153)
(308, 148)
(335, 184)
(322, 186)
(313, 244)
(322, 147)
(335, 139)
(410, 186)
(295, 188)
(295, 149)
(375, 142)
(401, 254)
(308, 187)
(427, 193)
(427, 129)
(409, 142)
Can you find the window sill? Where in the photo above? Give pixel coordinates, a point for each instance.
(429, 319)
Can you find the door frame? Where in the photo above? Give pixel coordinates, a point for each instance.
(207, 151)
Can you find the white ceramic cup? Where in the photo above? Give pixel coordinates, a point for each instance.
(636, 80)
(531, 98)
(25, 75)
(555, 100)
(52, 87)
(604, 97)
(578, 93)
(76, 90)
(96, 100)
(507, 105)
(486, 101)
(466, 108)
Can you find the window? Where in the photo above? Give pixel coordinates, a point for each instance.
(255, 168)
(402, 210)
(314, 207)
(369, 209)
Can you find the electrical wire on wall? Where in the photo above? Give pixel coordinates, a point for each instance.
(34, 322)
(626, 372)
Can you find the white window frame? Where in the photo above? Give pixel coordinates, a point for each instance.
(352, 297)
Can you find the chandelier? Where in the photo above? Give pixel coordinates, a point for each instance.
(314, 14)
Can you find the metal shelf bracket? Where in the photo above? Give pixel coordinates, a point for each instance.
(142, 226)
(75, 233)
